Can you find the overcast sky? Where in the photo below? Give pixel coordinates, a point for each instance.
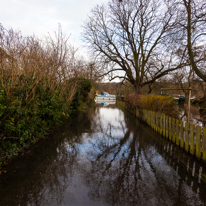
(42, 16)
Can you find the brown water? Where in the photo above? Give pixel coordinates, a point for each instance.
(103, 157)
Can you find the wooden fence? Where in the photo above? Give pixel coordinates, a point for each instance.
(188, 136)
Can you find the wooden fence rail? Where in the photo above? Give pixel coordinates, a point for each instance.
(188, 136)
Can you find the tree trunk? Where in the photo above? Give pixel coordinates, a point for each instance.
(138, 89)
(150, 89)
(189, 41)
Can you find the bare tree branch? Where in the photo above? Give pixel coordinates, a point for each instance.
(132, 35)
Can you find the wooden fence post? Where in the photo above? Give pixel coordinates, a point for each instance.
(204, 145)
(150, 119)
(151, 116)
(177, 132)
(160, 116)
(198, 145)
(187, 136)
(156, 121)
(142, 114)
(181, 134)
(192, 130)
(170, 128)
(173, 129)
(147, 114)
(163, 126)
(166, 126)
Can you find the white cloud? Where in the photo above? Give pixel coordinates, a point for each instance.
(42, 16)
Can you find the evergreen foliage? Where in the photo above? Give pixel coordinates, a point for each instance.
(83, 88)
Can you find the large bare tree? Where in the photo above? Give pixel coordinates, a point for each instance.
(190, 33)
(131, 40)
(195, 26)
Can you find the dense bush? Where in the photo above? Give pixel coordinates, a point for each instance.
(83, 88)
(132, 99)
(24, 122)
(157, 103)
(25, 119)
(37, 88)
(35, 91)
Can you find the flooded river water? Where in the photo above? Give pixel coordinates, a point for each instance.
(103, 157)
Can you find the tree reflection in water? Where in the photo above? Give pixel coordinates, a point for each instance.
(101, 158)
(126, 168)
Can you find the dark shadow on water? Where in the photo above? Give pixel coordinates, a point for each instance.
(104, 157)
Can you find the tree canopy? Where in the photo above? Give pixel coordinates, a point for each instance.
(133, 40)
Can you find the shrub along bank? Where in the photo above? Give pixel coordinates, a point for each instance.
(37, 89)
(80, 98)
(156, 103)
(25, 121)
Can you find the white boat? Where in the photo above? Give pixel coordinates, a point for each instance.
(105, 96)
(182, 97)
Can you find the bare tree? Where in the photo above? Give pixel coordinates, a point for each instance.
(131, 40)
(191, 28)
(195, 27)
(45, 62)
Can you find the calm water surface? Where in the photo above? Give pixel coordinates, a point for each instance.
(103, 157)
